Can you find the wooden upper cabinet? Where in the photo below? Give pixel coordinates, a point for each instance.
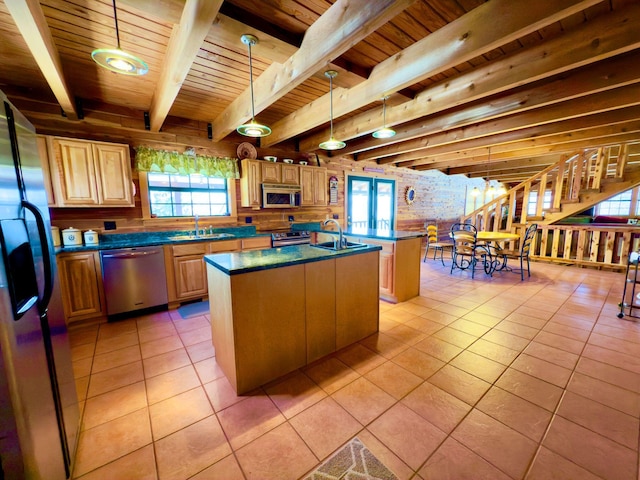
(271, 172)
(91, 174)
(290, 174)
(45, 150)
(113, 166)
(313, 184)
(287, 174)
(250, 189)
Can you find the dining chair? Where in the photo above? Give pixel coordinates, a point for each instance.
(523, 253)
(435, 243)
(463, 254)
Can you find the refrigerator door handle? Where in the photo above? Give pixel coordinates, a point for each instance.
(43, 303)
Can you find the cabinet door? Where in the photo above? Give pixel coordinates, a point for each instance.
(45, 146)
(306, 186)
(74, 174)
(113, 165)
(190, 276)
(386, 273)
(81, 285)
(250, 190)
(271, 172)
(319, 186)
(290, 174)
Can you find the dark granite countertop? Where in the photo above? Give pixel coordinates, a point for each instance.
(362, 232)
(253, 260)
(145, 239)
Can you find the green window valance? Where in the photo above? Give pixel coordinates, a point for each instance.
(163, 161)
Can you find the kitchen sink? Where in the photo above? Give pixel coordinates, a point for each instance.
(208, 236)
(333, 245)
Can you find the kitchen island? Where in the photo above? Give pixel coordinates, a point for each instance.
(276, 310)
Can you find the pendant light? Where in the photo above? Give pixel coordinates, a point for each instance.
(253, 128)
(475, 192)
(384, 132)
(332, 143)
(117, 60)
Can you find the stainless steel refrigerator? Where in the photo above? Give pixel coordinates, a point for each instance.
(39, 414)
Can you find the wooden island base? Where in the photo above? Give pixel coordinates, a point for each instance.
(267, 323)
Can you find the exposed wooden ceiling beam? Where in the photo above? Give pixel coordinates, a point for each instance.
(455, 43)
(30, 20)
(567, 147)
(186, 40)
(616, 33)
(525, 164)
(613, 100)
(345, 23)
(226, 31)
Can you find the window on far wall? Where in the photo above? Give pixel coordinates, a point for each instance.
(172, 195)
(617, 205)
(533, 199)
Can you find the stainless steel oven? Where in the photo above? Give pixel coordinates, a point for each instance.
(282, 239)
(280, 196)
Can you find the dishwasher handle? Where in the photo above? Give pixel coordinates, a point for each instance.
(130, 254)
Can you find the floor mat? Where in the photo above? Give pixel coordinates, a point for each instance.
(352, 462)
(194, 309)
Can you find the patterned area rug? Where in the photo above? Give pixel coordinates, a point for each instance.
(353, 462)
(194, 309)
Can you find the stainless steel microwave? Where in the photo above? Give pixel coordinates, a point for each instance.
(280, 196)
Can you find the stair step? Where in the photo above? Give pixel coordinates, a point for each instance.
(612, 180)
(568, 200)
(553, 210)
(590, 190)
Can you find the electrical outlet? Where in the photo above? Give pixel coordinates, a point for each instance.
(291, 218)
(336, 216)
(109, 225)
(248, 219)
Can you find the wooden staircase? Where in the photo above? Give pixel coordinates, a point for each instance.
(576, 183)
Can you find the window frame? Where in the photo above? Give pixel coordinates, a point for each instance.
(210, 220)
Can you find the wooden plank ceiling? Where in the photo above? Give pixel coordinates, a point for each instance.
(500, 88)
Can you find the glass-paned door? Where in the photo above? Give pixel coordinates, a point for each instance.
(370, 203)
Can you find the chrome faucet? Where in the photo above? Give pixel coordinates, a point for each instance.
(340, 239)
(197, 229)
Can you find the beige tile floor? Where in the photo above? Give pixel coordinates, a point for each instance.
(490, 378)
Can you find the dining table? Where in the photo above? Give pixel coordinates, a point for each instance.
(489, 242)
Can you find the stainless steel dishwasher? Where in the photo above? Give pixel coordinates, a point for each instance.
(134, 279)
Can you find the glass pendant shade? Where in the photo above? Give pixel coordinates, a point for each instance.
(384, 132)
(252, 128)
(475, 192)
(116, 59)
(332, 143)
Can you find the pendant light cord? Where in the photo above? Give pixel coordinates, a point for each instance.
(115, 18)
(384, 112)
(331, 104)
(253, 111)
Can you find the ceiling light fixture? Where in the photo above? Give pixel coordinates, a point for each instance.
(117, 60)
(384, 132)
(253, 128)
(332, 143)
(475, 192)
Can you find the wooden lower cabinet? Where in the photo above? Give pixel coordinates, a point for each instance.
(81, 286)
(186, 271)
(399, 267)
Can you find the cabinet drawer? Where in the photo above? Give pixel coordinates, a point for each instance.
(189, 249)
(224, 246)
(256, 243)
